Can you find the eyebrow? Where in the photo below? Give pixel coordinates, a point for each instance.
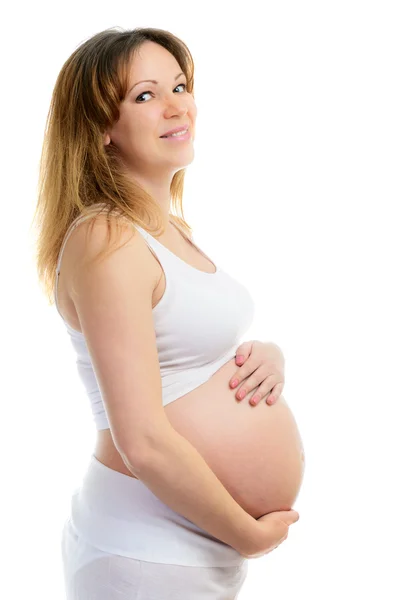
(152, 81)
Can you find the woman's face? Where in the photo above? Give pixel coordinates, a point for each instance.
(149, 110)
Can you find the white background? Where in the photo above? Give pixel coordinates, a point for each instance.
(294, 190)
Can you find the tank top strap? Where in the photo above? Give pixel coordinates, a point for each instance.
(173, 261)
(160, 253)
(71, 228)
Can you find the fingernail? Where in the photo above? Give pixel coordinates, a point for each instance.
(234, 382)
(239, 358)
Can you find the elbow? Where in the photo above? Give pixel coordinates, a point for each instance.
(133, 461)
(151, 445)
(142, 455)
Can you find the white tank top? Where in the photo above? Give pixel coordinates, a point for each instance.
(199, 323)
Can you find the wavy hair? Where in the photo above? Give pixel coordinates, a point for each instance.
(77, 172)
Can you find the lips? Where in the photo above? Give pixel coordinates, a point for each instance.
(182, 128)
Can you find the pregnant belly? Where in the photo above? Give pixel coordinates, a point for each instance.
(256, 452)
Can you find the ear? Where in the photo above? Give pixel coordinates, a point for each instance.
(106, 139)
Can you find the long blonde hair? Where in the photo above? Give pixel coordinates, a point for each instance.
(77, 172)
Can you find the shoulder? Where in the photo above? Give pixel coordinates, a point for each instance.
(108, 239)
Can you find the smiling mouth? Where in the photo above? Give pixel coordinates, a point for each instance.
(177, 134)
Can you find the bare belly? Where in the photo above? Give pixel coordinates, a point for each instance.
(256, 452)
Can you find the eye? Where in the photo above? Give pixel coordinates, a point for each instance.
(144, 93)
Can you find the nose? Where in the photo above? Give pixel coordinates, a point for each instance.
(176, 105)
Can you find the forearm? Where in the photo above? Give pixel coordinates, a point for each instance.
(179, 476)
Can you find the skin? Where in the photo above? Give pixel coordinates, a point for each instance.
(151, 160)
(256, 454)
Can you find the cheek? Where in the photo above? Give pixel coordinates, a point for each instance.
(148, 126)
(192, 117)
(123, 132)
(193, 109)
(141, 133)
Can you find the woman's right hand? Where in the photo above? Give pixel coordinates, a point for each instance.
(274, 529)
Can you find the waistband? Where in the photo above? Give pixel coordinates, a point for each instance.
(120, 515)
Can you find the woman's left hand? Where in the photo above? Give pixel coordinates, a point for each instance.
(263, 364)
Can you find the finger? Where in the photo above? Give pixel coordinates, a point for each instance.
(242, 373)
(272, 397)
(243, 352)
(274, 394)
(263, 390)
(251, 383)
(256, 399)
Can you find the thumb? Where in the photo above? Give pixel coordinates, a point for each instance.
(243, 352)
(290, 516)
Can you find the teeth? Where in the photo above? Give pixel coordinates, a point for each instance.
(177, 133)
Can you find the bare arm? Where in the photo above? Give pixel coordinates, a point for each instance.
(179, 476)
(113, 300)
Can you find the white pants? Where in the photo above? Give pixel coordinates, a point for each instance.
(122, 543)
(91, 574)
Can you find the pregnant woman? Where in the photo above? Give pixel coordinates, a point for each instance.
(187, 481)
